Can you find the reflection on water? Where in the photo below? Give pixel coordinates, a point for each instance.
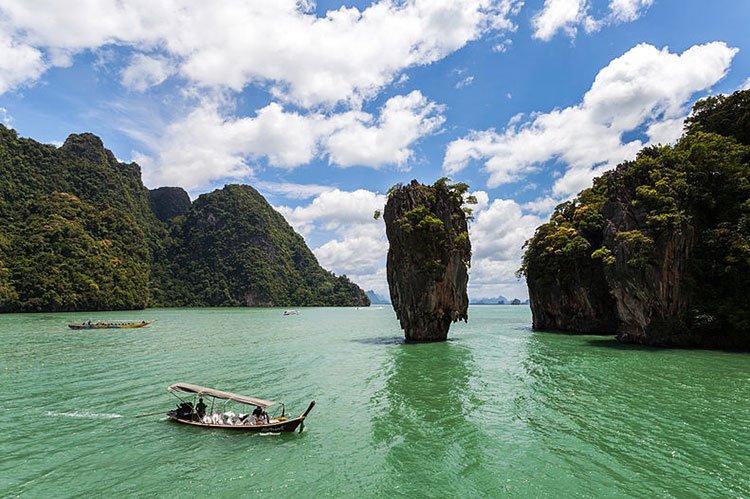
(424, 416)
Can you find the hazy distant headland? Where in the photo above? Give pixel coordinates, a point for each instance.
(79, 231)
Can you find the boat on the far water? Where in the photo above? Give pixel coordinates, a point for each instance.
(109, 324)
(291, 312)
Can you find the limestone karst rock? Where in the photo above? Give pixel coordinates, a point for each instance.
(657, 251)
(428, 257)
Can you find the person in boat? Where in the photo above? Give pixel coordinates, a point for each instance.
(200, 409)
(184, 410)
(260, 415)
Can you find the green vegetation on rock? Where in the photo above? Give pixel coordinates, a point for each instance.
(79, 231)
(428, 256)
(232, 248)
(661, 243)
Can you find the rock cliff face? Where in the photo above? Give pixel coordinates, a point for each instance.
(658, 250)
(428, 258)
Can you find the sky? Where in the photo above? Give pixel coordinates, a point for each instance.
(323, 106)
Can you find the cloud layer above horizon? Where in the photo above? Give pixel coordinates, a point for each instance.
(315, 106)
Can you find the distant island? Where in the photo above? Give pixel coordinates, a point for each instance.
(376, 299)
(657, 252)
(500, 300)
(79, 231)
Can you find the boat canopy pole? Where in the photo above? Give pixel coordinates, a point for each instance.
(173, 393)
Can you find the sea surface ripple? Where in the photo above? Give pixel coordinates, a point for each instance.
(496, 411)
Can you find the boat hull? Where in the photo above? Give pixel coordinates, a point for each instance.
(109, 326)
(281, 426)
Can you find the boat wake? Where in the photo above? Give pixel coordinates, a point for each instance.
(85, 415)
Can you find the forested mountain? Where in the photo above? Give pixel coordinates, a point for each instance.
(79, 231)
(658, 250)
(232, 248)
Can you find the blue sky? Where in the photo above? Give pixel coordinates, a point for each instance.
(322, 107)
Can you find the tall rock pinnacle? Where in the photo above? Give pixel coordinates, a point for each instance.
(428, 257)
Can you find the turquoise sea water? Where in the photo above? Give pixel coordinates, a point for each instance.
(496, 411)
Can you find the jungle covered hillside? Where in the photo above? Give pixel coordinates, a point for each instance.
(79, 231)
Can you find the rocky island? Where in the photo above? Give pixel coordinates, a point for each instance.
(428, 257)
(657, 252)
(80, 231)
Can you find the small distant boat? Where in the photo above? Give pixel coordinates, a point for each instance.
(291, 312)
(109, 325)
(187, 412)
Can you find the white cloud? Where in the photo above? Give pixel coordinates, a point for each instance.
(503, 46)
(628, 10)
(645, 87)
(207, 145)
(500, 231)
(146, 71)
(345, 56)
(745, 85)
(5, 118)
(358, 246)
(335, 209)
(465, 82)
(291, 190)
(559, 15)
(541, 206)
(403, 120)
(569, 15)
(20, 64)
(497, 238)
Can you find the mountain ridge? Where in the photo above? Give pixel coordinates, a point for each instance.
(80, 231)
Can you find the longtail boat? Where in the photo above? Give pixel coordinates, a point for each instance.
(199, 414)
(109, 325)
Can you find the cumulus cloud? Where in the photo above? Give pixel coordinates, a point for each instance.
(335, 209)
(403, 120)
(498, 234)
(344, 56)
(570, 15)
(559, 15)
(644, 89)
(208, 145)
(358, 245)
(146, 71)
(628, 10)
(20, 64)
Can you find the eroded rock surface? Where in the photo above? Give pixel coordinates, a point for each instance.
(428, 258)
(657, 252)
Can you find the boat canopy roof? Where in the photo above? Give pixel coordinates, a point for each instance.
(219, 394)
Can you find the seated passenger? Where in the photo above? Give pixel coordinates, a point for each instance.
(260, 416)
(200, 409)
